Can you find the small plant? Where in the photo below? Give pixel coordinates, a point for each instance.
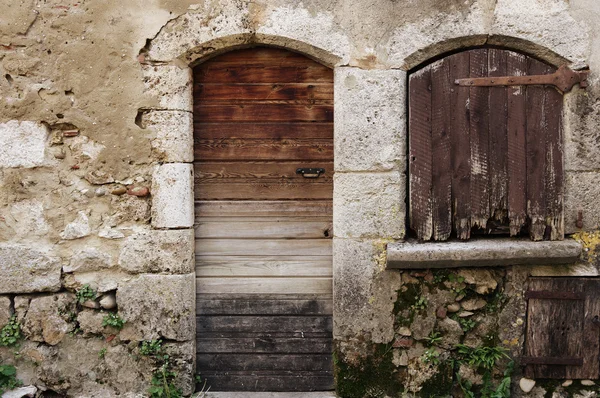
(10, 333)
(482, 357)
(466, 324)
(204, 390)
(162, 386)
(420, 304)
(102, 353)
(434, 338)
(86, 293)
(8, 378)
(431, 356)
(151, 347)
(114, 320)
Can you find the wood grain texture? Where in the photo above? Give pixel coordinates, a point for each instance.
(420, 156)
(563, 329)
(263, 232)
(479, 116)
(516, 65)
(441, 147)
(496, 152)
(460, 144)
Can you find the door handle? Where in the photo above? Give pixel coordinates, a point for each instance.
(310, 172)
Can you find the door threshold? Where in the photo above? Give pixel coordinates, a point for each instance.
(246, 394)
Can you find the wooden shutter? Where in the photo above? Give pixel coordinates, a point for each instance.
(563, 335)
(484, 159)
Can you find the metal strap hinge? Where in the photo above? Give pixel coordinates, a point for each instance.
(564, 79)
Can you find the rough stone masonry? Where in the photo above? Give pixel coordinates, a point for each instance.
(96, 200)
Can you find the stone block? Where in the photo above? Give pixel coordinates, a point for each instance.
(581, 193)
(48, 318)
(173, 196)
(183, 357)
(159, 252)
(547, 23)
(25, 269)
(78, 228)
(5, 311)
(22, 144)
(370, 125)
(169, 87)
(581, 133)
(156, 306)
(101, 281)
(89, 259)
(173, 133)
(90, 322)
(369, 205)
(364, 293)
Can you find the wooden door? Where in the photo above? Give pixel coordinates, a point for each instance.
(263, 231)
(484, 160)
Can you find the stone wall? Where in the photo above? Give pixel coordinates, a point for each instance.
(96, 184)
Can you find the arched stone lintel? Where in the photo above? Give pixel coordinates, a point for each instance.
(437, 50)
(220, 45)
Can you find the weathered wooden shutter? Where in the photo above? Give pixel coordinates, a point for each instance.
(484, 159)
(563, 333)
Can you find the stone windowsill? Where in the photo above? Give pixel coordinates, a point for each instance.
(481, 253)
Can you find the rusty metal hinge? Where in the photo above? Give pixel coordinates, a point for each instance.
(564, 78)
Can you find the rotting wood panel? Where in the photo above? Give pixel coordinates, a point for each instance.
(562, 340)
(263, 247)
(484, 159)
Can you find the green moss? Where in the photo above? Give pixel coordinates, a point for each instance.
(439, 385)
(375, 377)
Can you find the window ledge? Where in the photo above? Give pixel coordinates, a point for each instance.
(481, 253)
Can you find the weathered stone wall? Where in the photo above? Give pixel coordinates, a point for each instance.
(96, 182)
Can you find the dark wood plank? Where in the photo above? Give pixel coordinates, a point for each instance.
(591, 333)
(461, 147)
(263, 113)
(479, 136)
(275, 381)
(440, 142)
(536, 154)
(264, 304)
(237, 362)
(265, 344)
(291, 92)
(516, 65)
(265, 149)
(420, 154)
(554, 167)
(263, 209)
(263, 324)
(219, 73)
(276, 131)
(498, 137)
(222, 172)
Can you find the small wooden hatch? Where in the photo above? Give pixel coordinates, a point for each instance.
(563, 328)
(264, 229)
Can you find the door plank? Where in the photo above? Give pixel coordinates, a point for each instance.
(420, 209)
(263, 113)
(227, 266)
(440, 141)
(322, 208)
(265, 344)
(516, 65)
(293, 92)
(263, 324)
(263, 149)
(479, 116)
(264, 285)
(536, 157)
(280, 381)
(264, 304)
(461, 147)
(237, 361)
(264, 190)
(216, 73)
(218, 171)
(498, 138)
(277, 229)
(273, 131)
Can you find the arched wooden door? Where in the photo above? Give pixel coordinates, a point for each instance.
(263, 229)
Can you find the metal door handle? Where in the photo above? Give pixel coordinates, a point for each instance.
(310, 172)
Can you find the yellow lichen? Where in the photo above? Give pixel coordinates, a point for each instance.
(380, 252)
(590, 240)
